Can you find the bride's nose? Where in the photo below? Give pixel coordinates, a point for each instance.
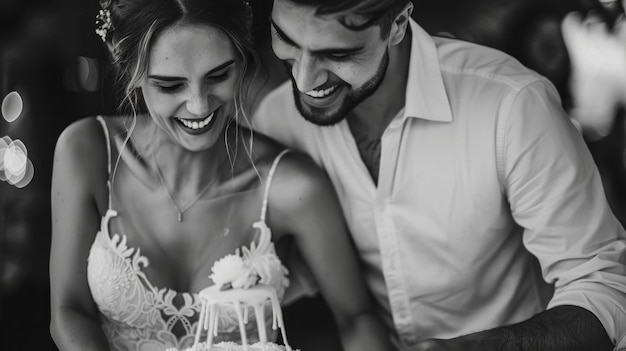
(198, 104)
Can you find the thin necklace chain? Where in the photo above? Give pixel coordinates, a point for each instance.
(180, 211)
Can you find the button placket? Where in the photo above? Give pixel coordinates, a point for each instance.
(387, 236)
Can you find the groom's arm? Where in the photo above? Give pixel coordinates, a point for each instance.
(567, 328)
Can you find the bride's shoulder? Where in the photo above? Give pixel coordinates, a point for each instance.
(297, 181)
(88, 134)
(86, 128)
(298, 177)
(84, 136)
(80, 155)
(299, 190)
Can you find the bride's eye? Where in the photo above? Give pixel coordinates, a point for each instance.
(168, 88)
(219, 77)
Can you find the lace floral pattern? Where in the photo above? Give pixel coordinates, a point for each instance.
(138, 316)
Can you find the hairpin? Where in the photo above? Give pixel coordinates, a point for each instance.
(103, 23)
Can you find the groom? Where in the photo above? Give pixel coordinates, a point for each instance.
(474, 204)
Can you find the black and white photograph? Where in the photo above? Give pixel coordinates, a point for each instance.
(313, 175)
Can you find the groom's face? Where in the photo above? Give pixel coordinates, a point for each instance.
(332, 67)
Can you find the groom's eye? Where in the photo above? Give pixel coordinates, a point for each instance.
(339, 57)
(281, 37)
(277, 34)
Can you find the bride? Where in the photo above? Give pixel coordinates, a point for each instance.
(143, 205)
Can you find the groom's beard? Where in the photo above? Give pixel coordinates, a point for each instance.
(328, 116)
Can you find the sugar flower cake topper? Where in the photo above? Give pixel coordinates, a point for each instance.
(249, 266)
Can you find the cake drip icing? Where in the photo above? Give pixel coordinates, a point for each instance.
(243, 282)
(241, 300)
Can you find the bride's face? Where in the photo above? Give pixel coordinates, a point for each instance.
(190, 84)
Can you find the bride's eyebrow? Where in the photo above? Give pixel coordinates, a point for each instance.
(174, 78)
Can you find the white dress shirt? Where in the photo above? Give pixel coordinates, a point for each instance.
(489, 207)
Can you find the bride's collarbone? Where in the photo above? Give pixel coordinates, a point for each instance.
(202, 234)
(228, 181)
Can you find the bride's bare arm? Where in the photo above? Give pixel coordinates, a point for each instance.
(79, 172)
(303, 203)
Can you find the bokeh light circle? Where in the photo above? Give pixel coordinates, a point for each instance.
(26, 177)
(15, 158)
(12, 106)
(4, 144)
(84, 70)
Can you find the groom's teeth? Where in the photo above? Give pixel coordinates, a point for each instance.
(194, 124)
(321, 93)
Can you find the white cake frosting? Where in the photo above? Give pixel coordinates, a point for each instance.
(213, 298)
(232, 346)
(240, 284)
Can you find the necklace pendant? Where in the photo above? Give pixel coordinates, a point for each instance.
(180, 217)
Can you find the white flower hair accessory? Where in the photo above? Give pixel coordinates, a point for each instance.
(103, 23)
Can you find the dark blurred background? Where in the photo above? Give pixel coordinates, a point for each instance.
(51, 56)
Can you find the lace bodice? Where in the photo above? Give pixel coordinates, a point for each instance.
(135, 314)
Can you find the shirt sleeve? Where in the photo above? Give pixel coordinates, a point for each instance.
(556, 195)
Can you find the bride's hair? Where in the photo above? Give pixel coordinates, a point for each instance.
(129, 29)
(134, 25)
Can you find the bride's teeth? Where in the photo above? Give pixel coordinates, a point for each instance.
(196, 124)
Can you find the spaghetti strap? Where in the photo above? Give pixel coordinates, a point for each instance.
(108, 141)
(268, 183)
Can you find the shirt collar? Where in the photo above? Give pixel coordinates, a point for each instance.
(426, 95)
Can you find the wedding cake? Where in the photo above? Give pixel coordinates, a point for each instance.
(244, 283)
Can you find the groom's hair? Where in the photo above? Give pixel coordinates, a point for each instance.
(369, 12)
